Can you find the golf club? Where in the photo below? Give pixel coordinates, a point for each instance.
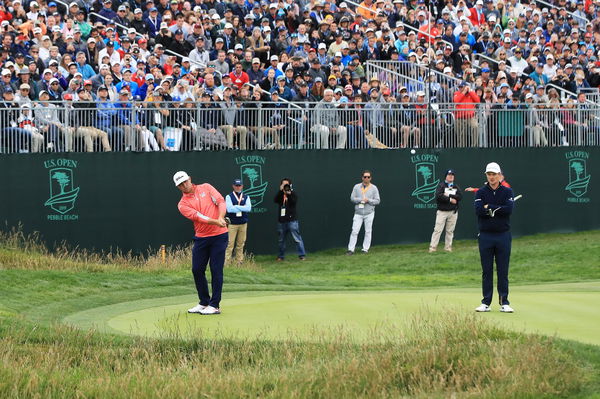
(492, 213)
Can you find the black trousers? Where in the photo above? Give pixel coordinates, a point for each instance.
(495, 246)
(209, 249)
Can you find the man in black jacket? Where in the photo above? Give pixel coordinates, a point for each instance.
(287, 200)
(493, 206)
(447, 195)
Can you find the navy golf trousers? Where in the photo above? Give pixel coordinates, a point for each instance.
(209, 249)
(495, 246)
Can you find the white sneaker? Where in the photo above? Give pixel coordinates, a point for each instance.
(197, 309)
(210, 310)
(506, 309)
(483, 308)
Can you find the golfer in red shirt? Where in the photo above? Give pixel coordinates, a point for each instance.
(204, 206)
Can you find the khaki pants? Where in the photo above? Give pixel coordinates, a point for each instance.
(443, 219)
(467, 132)
(230, 132)
(322, 134)
(89, 134)
(237, 237)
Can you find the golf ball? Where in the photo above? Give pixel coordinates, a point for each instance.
(412, 151)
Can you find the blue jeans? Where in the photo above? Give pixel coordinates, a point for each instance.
(356, 137)
(209, 249)
(495, 246)
(115, 136)
(292, 228)
(14, 138)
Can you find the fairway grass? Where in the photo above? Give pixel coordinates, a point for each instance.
(311, 316)
(395, 323)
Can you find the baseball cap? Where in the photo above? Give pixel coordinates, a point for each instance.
(180, 177)
(238, 182)
(450, 172)
(493, 167)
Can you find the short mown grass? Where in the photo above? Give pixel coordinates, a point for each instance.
(455, 355)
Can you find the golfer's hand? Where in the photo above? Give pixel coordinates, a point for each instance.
(452, 201)
(469, 189)
(486, 206)
(221, 222)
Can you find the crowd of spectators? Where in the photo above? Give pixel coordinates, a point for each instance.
(106, 60)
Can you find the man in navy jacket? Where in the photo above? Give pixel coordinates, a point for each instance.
(493, 206)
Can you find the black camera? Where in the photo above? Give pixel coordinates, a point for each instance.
(287, 188)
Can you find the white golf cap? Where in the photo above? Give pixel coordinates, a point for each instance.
(491, 167)
(180, 177)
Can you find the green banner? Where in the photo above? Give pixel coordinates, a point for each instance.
(128, 201)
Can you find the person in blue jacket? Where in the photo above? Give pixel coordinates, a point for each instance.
(238, 205)
(493, 206)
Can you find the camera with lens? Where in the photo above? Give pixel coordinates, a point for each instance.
(287, 189)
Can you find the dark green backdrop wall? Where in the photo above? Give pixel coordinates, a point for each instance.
(127, 200)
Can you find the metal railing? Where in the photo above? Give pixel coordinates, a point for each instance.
(397, 74)
(257, 125)
(395, 78)
(563, 8)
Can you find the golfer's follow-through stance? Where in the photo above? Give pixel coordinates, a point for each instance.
(204, 206)
(493, 206)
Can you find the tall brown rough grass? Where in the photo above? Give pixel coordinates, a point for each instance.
(449, 356)
(28, 252)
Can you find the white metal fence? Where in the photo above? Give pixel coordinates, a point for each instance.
(414, 77)
(255, 125)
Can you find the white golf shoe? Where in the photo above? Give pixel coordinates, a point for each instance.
(197, 309)
(210, 310)
(483, 308)
(506, 309)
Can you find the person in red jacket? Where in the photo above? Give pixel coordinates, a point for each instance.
(205, 206)
(477, 16)
(238, 76)
(466, 125)
(4, 14)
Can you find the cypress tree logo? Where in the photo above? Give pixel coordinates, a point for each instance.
(63, 193)
(425, 181)
(251, 174)
(579, 179)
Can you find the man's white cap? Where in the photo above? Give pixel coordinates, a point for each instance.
(491, 167)
(180, 177)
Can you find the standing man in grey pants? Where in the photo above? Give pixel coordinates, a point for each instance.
(365, 197)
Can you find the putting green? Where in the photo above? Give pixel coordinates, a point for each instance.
(569, 311)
